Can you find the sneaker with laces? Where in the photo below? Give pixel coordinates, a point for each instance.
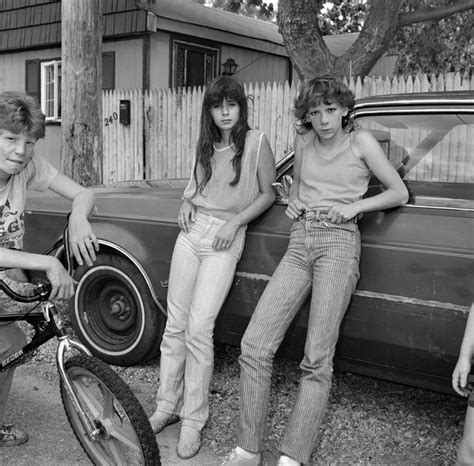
(10, 436)
(236, 459)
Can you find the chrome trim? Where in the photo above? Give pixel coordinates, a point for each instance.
(132, 259)
(414, 102)
(139, 267)
(405, 111)
(414, 301)
(463, 98)
(421, 206)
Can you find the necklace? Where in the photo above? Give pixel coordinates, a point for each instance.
(217, 149)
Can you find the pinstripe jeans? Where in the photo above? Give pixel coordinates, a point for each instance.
(322, 258)
(200, 279)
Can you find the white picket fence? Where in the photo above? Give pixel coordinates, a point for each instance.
(164, 125)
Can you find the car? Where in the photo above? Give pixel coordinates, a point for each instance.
(407, 316)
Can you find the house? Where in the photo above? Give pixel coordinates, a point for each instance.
(176, 43)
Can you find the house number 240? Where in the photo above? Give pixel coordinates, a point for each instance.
(109, 120)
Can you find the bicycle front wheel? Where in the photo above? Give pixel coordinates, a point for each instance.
(122, 434)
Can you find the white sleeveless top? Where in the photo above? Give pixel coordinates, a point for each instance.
(218, 197)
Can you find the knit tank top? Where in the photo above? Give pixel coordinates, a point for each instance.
(325, 183)
(218, 197)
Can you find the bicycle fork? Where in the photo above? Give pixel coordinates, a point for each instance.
(66, 344)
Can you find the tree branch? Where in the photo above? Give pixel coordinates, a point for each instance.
(435, 14)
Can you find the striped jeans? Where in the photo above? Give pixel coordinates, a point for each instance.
(199, 281)
(322, 258)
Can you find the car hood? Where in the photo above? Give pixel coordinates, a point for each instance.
(133, 199)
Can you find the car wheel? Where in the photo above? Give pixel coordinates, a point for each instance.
(113, 312)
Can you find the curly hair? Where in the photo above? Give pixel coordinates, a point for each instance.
(217, 90)
(327, 90)
(20, 113)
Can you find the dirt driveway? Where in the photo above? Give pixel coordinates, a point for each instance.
(35, 404)
(368, 421)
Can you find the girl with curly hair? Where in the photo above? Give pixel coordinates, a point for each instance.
(333, 164)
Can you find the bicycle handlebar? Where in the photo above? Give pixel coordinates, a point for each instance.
(41, 293)
(42, 290)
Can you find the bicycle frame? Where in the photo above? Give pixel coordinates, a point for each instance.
(47, 324)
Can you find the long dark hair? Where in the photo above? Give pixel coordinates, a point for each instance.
(325, 89)
(217, 90)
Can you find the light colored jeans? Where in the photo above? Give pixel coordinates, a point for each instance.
(200, 279)
(322, 258)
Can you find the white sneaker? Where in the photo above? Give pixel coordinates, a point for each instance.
(287, 461)
(235, 458)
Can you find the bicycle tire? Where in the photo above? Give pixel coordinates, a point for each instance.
(114, 410)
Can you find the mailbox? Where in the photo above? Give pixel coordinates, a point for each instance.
(124, 112)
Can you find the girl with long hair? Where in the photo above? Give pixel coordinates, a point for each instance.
(231, 184)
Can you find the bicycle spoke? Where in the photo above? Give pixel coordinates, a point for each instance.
(93, 405)
(122, 433)
(117, 453)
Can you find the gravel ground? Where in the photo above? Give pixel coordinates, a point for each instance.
(368, 421)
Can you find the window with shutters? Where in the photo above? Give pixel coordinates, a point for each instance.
(43, 81)
(194, 64)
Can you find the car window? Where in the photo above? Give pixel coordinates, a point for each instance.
(433, 152)
(429, 147)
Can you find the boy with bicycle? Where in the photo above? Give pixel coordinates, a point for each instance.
(21, 124)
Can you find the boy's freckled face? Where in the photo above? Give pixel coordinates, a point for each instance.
(16, 150)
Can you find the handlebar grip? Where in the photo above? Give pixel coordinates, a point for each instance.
(41, 293)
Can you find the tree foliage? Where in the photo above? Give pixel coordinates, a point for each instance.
(254, 8)
(427, 35)
(342, 16)
(435, 46)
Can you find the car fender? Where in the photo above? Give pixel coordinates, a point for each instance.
(122, 242)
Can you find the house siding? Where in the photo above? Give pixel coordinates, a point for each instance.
(26, 24)
(255, 66)
(128, 62)
(160, 60)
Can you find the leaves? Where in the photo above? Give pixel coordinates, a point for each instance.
(425, 47)
(435, 46)
(254, 8)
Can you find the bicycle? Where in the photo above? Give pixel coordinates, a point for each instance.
(106, 417)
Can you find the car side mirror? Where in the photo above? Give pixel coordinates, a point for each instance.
(282, 189)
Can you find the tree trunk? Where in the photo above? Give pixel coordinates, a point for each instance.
(373, 41)
(298, 24)
(81, 63)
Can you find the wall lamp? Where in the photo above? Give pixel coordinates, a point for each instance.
(229, 67)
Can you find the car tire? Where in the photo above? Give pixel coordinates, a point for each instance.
(113, 312)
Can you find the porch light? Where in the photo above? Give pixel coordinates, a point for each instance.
(229, 67)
